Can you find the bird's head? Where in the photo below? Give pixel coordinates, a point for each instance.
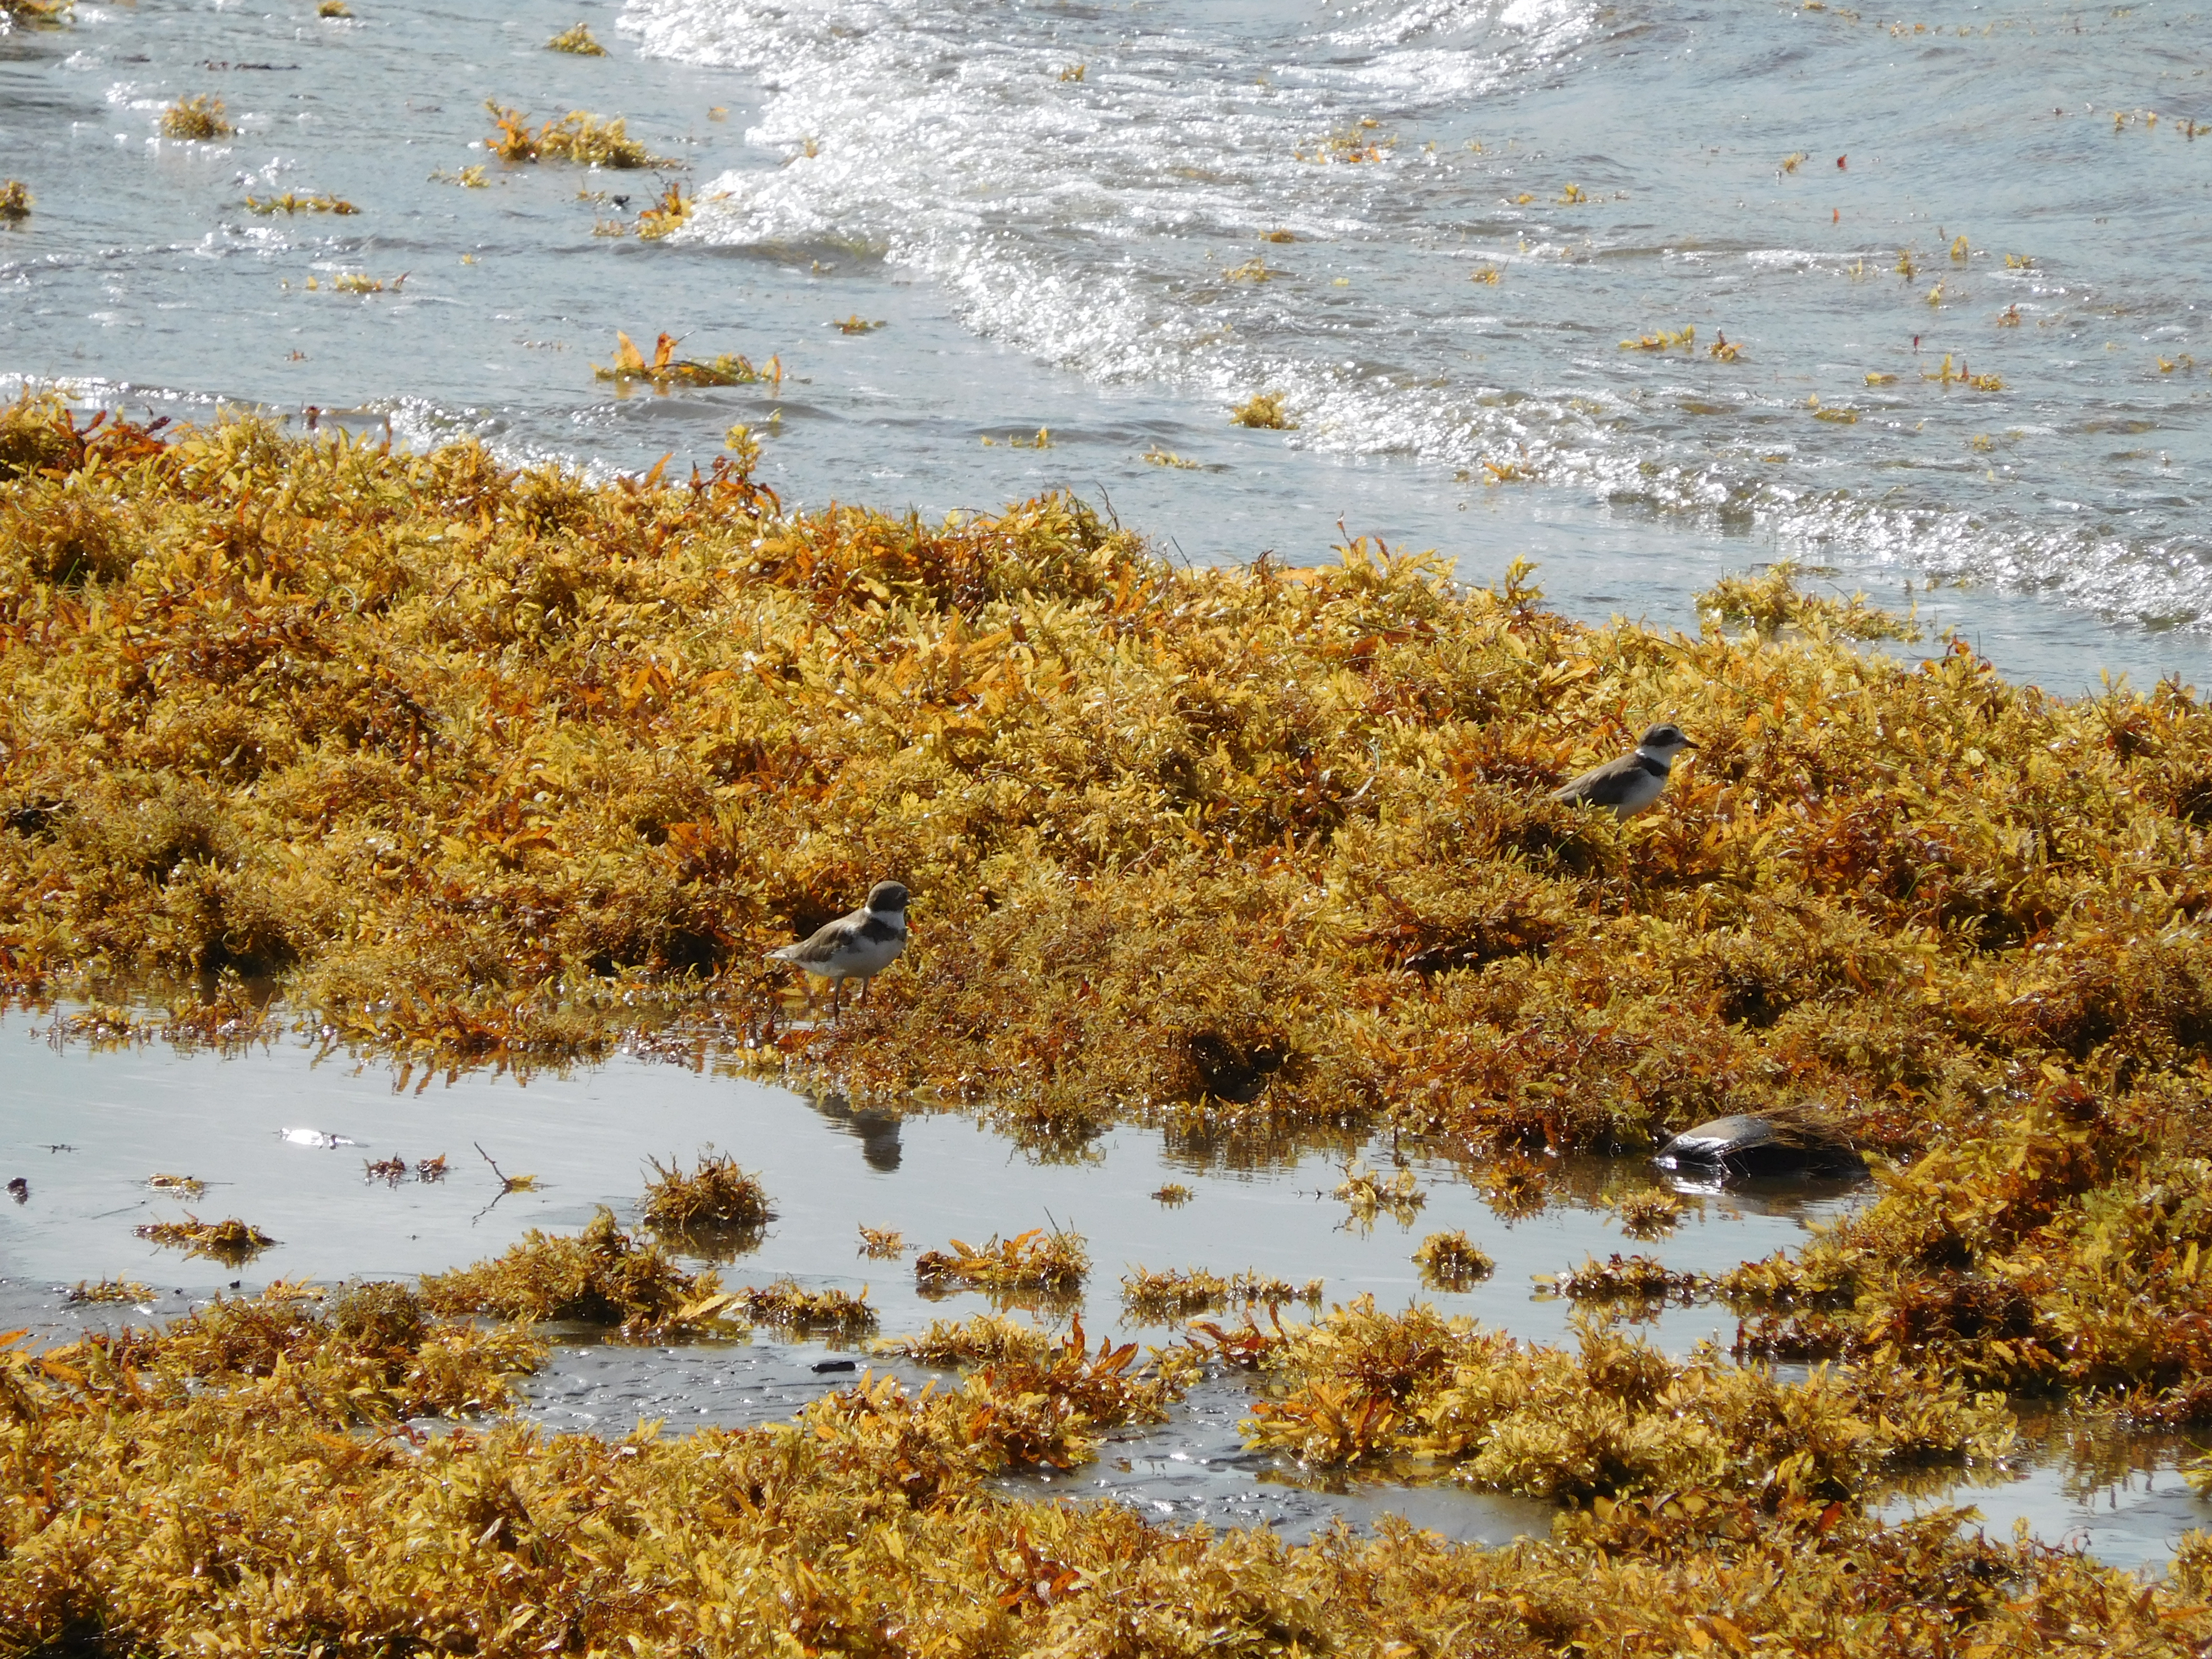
(887, 898)
(1664, 742)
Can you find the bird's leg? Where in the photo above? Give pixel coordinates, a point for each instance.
(864, 991)
(837, 999)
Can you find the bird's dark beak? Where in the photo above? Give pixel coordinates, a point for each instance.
(1686, 744)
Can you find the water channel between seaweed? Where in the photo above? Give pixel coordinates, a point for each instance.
(85, 1129)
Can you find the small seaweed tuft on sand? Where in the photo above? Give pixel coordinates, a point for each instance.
(196, 119)
(1452, 1261)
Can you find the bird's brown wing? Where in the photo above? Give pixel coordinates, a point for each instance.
(1602, 786)
(825, 942)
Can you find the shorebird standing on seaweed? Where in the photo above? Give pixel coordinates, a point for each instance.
(1634, 781)
(856, 946)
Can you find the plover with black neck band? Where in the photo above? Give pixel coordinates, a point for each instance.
(856, 946)
(1627, 785)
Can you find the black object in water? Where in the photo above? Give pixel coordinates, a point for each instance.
(822, 1365)
(1744, 1145)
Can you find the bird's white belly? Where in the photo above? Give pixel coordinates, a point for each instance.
(864, 958)
(1638, 792)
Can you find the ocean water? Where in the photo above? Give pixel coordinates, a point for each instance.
(1956, 252)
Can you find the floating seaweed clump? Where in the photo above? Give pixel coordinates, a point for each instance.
(200, 118)
(37, 14)
(111, 1290)
(1172, 1293)
(230, 1241)
(320, 202)
(1452, 1261)
(1649, 1214)
(14, 201)
(1262, 410)
(1366, 1191)
(189, 1185)
(714, 1192)
(666, 214)
(600, 1276)
(787, 1303)
(1619, 1277)
(576, 136)
(985, 1339)
(882, 1243)
(667, 369)
(577, 41)
(1037, 1260)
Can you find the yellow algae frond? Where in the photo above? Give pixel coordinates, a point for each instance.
(1037, 1260)
(666, 369)
(1452, 1261)
(1159, 456)
(111, 1290)
(1263, 410)
(714, 1192)
(1366, 1192)
(1073, 71)
(1776, 603)
(597, 1277)
(1663, 341)
(199, 117)
(231, 1240)
(1792, 161)
(666, 215)
(577, 41)
(1254, 270)
(320, 202)
(882, 1243)
(577, 137)
(1490, 274)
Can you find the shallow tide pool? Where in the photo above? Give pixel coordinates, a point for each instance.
(85, 1129)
